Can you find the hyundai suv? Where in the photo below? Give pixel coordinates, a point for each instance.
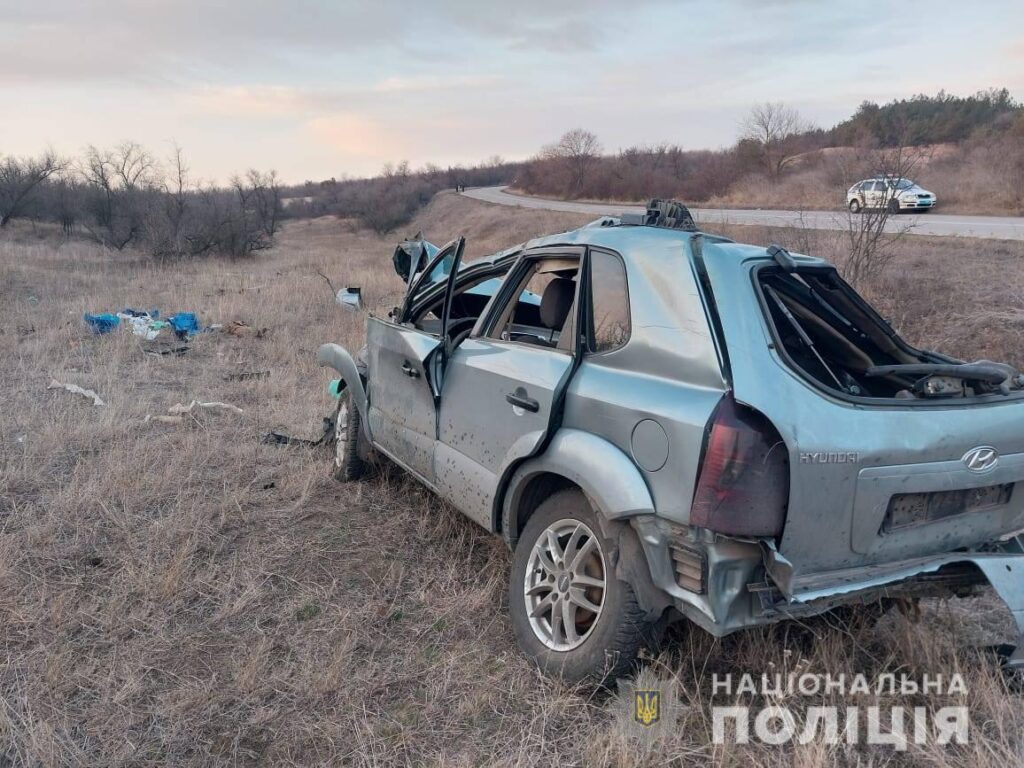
(664, 424)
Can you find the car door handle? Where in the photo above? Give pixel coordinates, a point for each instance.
(409, 371)
(520, 400)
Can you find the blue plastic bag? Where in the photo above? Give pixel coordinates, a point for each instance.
(104, 322)
(184, 322)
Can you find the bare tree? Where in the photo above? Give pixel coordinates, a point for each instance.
(872, 230)
(118, 180)
(266, 199)
(578, 150)
(255, 217)
(775, 129)
(167, 222)
(19, 179)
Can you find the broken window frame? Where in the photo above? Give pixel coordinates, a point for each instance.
(469, 276)
(517, 277)
(926, 356)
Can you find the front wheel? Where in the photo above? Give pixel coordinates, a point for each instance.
(894, 206)
(348, 464)
(570, 613)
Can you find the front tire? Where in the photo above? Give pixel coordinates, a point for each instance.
(348, 464)
(570, 614)
(894, 206)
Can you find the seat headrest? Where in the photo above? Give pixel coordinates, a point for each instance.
(556, 302)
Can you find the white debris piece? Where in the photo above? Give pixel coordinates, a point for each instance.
(176, 413)
(181, 410)
(146, 326)
(74, 388)
(350, 298)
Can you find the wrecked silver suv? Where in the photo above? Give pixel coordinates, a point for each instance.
(662, 423)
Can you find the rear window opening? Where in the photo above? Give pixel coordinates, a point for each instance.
(829, 334)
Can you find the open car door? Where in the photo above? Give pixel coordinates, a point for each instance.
(405, 365)
(502, 395)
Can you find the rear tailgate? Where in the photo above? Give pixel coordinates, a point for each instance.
(869, 484)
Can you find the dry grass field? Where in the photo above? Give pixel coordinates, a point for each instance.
(182, 594)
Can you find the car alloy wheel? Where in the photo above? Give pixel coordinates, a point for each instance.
(565, 584)
(855, 206)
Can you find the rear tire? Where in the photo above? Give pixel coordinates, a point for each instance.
(348, 465)
(855, 206)
(562, 564)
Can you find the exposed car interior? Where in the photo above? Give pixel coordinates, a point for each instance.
(539, 316)
(830, 335)
(544, 323)
(468, 304)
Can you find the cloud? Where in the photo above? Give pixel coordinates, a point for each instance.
(356, 136)
(247, 101)
(281, 101)
(186, 40)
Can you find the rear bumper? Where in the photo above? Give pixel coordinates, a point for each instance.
(1001, 566)
(742, 584)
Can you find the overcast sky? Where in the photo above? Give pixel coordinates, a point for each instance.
(334, 88)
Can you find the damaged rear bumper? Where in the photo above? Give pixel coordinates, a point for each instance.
(725, 584)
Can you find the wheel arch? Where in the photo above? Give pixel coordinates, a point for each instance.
(573, 458)
(339, 358)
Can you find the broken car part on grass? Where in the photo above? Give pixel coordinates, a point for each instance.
(335, 389)
(627, 405)
(176, 413)
(76, 390)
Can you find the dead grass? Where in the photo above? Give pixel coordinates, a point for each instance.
(185, 595)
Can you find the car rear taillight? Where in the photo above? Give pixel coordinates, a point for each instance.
(743, 481)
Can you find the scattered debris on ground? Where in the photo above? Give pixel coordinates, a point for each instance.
(164, 419)
(146, 324)
(160, 347)
(176, 413)
(238, 328)
(180, 409)
(280, 438)
(349, 297)
(246, 375)
(104, 322)
(75, 389)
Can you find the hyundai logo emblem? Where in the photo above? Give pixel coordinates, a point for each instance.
(981, 459)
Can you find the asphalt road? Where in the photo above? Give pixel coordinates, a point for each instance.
(994, 227)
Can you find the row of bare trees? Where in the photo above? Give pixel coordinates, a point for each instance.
(771, 137)
(388, 201)
(124, 196)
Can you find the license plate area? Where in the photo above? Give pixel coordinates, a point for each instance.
(909, 509)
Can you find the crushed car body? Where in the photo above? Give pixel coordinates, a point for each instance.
(661, 422)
